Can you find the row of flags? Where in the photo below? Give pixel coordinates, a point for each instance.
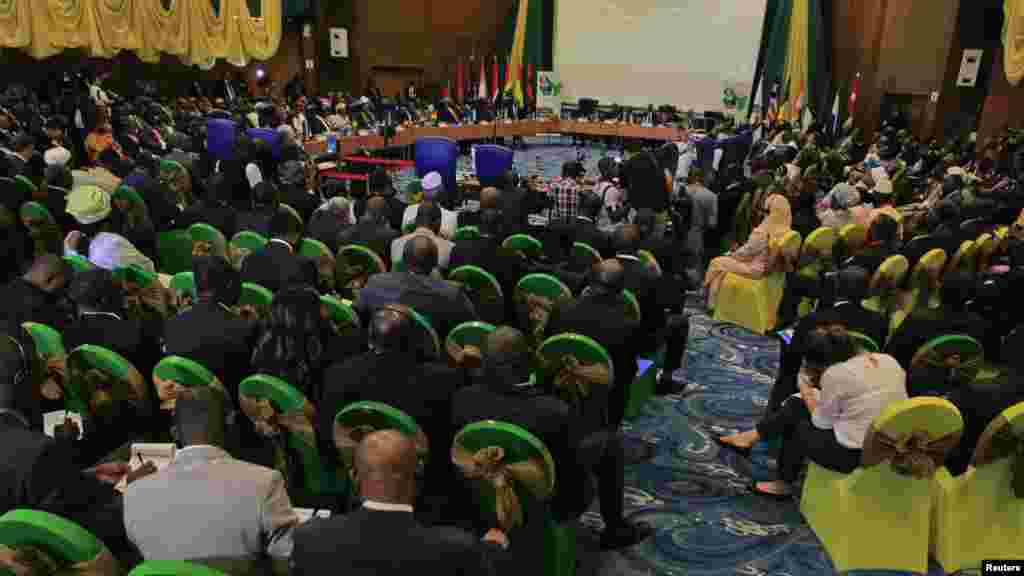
(782, 108)
(472, 85)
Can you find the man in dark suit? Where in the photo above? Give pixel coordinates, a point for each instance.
(36, 296)
(330, 221)
(670, 259)
(656, 295)
(503, 392)
(213, 209)
(40, 473)
(379, 184)
(517, 203)
(277, 266)
(258, 219)
(373, 229)
(209, 332)
(487, 252)
(490, 199)
(585, 225)
(444, 303)
(390, 373)
(599, 315)
(382, 537)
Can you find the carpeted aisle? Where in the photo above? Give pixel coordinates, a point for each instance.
(694, 492)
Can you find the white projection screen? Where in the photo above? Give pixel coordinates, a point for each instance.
(640, 52)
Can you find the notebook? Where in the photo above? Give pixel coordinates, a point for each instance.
(161, 455)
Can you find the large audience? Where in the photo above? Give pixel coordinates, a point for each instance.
(96, 189)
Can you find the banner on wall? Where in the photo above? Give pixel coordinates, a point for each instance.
(549, 91)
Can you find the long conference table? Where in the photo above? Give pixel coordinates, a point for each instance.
(348, 145)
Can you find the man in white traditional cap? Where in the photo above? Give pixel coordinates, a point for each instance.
(433, 189)
(90, 206)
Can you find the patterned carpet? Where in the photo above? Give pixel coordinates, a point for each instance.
(695, 493)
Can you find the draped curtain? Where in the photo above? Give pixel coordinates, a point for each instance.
(1013, 41)
(197, 31)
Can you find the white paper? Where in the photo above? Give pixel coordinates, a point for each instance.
(161, 455)
(307, 514)
(53, 419)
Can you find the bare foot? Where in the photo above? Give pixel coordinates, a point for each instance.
(776, 487)
(742, 440)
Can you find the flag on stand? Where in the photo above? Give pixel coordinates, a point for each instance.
(494, 79)
(835, 114)
(481, 92)
(853, 94)
(460, 82)
(446, 90)
(529, 84)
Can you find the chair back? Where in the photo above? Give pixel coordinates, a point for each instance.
(466, 233)
(174, 374)
(524, 244)
(65, 544)
(98, 377)
(355, 421)
(985, 248)
(207, 240)
(913, 436)
(491, 163)
(34, 214)
(220, 138)
(354, 266)
(925, 277)
(864, 342)
(511, 465)
(276, 407)
(319, 253)
(173, 568)
(786, 252)
(816, 250)
(437, 154)
(963, 259)
(340, 313)
(254, 301)
(49, 343)
(465, 342)
(484, 290)
(174, 249)
(576, 367)
(852, 239)
(973, 227)
(1002, 442)
(183, 285)
(953, 358)
(244, 243)
(432, 342)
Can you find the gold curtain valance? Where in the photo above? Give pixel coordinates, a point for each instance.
(190, 29)
(1013, 41)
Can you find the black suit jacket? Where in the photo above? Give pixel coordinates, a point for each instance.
(605, 322)
(128, 337)
(275, 268)
(372, 543)
(488, 253)
(39, 473)
(979, 403)
(646, 286)
(326, 228)
(223, 218)
(258, 221)
(423, 391)
(372, 235)
(516, 206)
(20, 301)
(546, 417)
(214, 337)
(443, 303)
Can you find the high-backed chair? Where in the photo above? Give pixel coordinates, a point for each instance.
(923, 283)
(254, 301)
(37, 538)
(437, 154)
(324, 258)
(220, 138)
(183, 286)
(885, 283)
(985, 249)
(942, 362)
(963, 259)
(585, 255)
(281, 413)
(97, 377)
(207, 240)
(173, 568)
(174, 374)
(270, 136)
(815, 260)
(879, 516)
(484, 291)
(852, 239)
(466, 233)
(979, 515)
(339, 313)
(754, 303)
(536, 296)
(524, 244)
(41, 225)
(491, 163)
(242, 244)
(464, 343)
(354, 266)
(516, 474)
(431, 346)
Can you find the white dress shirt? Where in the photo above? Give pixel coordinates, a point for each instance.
(854, 393)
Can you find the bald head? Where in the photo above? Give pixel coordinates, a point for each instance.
(420, 255)
(490, 198)
(377, 208)
(48, 272)
(609, 277)
(385, 464)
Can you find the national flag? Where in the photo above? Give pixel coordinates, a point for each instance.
(853, 94)
(529, 84)
(446, 90)
(835, 113)
(481, 92)
(494, 79)
(460, 81)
